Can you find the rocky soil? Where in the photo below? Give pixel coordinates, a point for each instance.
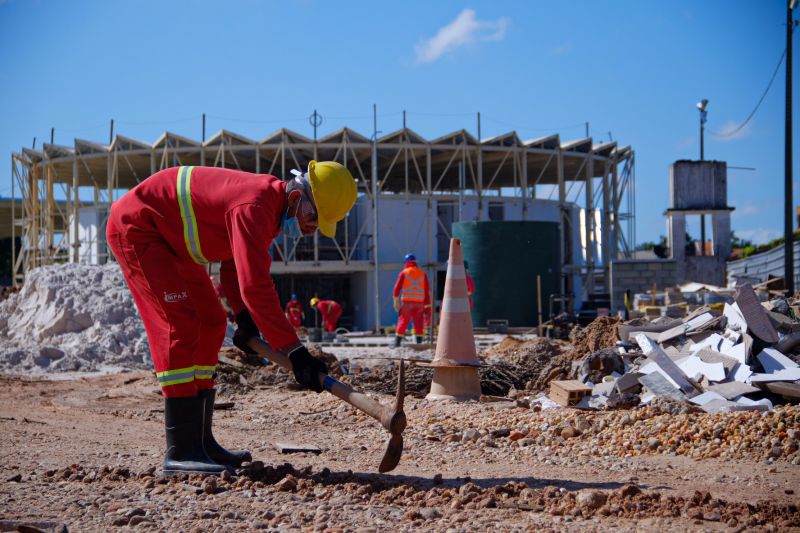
(85, 453)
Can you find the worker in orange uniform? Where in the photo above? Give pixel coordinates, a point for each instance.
(330, 311)
(164, 230)
(411, 296)
(294, 312)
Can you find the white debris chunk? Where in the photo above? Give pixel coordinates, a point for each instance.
(773, 360)
(693, 365)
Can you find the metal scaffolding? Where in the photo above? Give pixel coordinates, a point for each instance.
(596, 177)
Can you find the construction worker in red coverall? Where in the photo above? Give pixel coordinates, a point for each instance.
(294, 312)
(411, 296)
(330, 311)
(164, 230)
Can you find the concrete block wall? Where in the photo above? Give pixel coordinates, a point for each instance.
(638, 275)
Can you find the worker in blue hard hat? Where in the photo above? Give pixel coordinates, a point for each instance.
(411, 296)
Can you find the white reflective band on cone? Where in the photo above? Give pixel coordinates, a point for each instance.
(455, 305)
(456, 272)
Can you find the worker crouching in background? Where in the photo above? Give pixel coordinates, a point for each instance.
(411, 296)
(330, 311)
(294, 312)
(164, 230)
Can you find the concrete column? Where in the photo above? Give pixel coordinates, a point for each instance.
(677, 242)
(721, 227)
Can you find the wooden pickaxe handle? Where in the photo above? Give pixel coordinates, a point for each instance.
(383, 414)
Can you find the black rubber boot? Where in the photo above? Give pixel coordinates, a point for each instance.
(183, 421)
(214, 450)
(396, 341)
(418, 338)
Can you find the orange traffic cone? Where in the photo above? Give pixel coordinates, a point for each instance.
(455, 374)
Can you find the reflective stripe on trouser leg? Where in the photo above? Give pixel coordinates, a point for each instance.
(176, 377)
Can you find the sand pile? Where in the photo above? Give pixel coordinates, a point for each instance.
(72, 317)
(601, 333)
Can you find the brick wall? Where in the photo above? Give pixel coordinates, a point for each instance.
(639, 275)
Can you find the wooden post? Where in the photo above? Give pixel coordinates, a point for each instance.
(539, 300)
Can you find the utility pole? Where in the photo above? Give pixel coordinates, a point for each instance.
(702, 105)
(376, 273)
(788, 224)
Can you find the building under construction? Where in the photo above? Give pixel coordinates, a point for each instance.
(411, 191)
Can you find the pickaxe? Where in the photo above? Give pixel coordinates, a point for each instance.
(391, 418)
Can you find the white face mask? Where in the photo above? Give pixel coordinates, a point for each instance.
(290, 225)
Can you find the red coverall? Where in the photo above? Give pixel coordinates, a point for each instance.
(470, 288)
(294, 312)
(161, 233)
(330, 311)
(413, 284)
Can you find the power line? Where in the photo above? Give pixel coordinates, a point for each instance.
(753, 112)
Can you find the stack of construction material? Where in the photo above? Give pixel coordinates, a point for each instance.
(727, 361)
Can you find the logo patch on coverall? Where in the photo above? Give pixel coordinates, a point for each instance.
(171, 297)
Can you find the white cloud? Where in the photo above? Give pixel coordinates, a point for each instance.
(758, 236)
(726, 131)
(463, 31)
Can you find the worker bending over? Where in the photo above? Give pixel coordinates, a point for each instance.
(294, 312)
(330, 311)
(164, 230)
(411, 296)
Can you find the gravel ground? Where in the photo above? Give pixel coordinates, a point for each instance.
(84, 453)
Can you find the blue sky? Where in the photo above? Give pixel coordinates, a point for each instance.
(631, 68)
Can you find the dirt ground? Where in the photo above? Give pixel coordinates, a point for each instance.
(85, 454)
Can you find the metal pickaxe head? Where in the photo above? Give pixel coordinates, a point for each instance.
(395, 422)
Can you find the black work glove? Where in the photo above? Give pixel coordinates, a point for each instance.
(307, 368)
(246, 330)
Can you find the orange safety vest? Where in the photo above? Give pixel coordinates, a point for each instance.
(413, 285)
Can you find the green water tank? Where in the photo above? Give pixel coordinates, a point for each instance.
(504, 259)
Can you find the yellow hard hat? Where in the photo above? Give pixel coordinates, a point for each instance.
(334, 191)
(313, 301)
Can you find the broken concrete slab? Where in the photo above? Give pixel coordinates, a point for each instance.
(710, 356)
(787, 374)
(738, 352)
(755, 315)
(735, 318)
(787, 390)
(730, 390)
(772, 360)
(742, 373)
(692, 366)
(712, 341)
(628, 383)
(724, 406)
(645, 342)
(658, 385)
(604, 388)
(691, 325)
(627, 332)
(747, 401)
(706, 397)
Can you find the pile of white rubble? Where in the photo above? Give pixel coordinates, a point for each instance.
(72, 317)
